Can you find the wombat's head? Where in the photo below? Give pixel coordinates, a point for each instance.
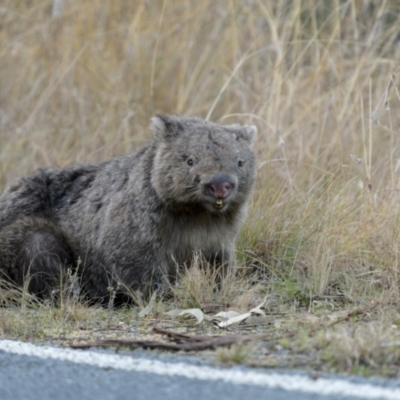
(201, 163)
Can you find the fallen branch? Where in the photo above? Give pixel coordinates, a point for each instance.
(182, 342)
(198, 343)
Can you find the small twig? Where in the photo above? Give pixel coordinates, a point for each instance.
(352, 313)
(132, 344)
(182, 337)
(107, 329)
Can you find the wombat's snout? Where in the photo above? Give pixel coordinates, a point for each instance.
(220, 186)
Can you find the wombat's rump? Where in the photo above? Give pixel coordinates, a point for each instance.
(128, 222)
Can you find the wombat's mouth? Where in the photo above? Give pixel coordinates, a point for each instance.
(216, 205)
(219, 203)
(219, 190)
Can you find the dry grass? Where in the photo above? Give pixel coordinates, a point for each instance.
(319, 79)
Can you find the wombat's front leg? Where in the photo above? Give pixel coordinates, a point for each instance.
(225, 260)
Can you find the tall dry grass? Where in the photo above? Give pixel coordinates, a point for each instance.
(319, 79)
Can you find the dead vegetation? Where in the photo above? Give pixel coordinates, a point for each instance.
(319, 79)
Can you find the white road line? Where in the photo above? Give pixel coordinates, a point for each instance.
(288, 382)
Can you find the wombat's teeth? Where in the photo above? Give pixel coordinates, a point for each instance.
(219, 203)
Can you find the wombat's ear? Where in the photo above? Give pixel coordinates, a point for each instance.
(249, 133)
(166, 127)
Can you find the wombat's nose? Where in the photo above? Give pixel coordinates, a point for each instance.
(220, 186)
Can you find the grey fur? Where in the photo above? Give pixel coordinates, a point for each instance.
(132, 219)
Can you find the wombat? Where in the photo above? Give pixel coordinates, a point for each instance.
(129, 222)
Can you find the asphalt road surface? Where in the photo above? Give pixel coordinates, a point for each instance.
(29, 371)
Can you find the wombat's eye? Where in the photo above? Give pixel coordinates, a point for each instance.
(240, 163)
(190, 162)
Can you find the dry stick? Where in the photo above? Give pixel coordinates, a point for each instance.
(352, 313)
(190, 343)
(197, 343)
(182, 338)
(132, 344)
